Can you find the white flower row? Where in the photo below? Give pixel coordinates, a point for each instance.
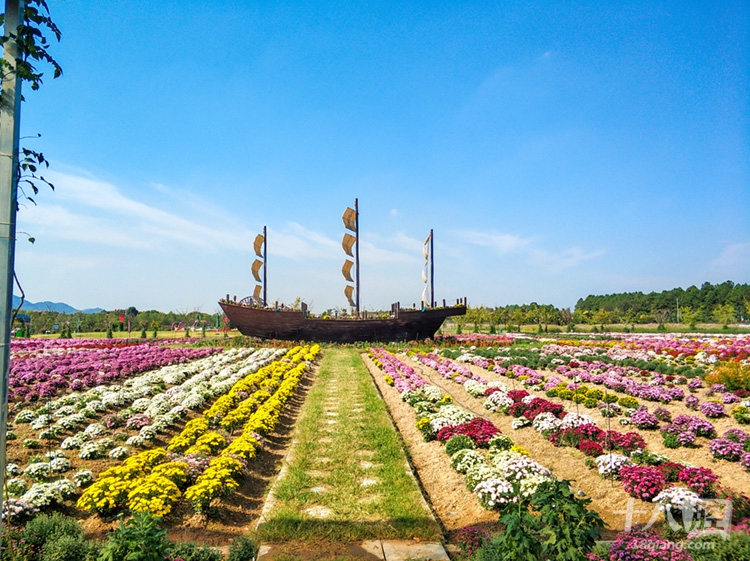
(100, 398)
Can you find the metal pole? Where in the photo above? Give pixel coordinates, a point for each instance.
(265, 263)
(356, 224)
(9, 120)
(432, 270)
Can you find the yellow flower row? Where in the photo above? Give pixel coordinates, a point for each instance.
(254, 381)
(192, 431)
(214, 483)
(111, 488)
(208, 444)
(219, 479)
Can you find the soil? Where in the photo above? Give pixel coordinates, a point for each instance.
(453, 504)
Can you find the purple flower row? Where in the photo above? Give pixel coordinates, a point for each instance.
(404, 376)
(447, 368)
(47, 374)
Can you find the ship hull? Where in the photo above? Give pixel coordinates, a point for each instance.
(290, 325)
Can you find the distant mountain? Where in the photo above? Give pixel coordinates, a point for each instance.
(59, 307)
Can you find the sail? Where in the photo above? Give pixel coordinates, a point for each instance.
(256, 268)
(424, 276)
(349, 290)
(257, 293)
(425, 299)
(348, 243)
(426, 246)
(350, 219)
(346, 270)
(258, 245)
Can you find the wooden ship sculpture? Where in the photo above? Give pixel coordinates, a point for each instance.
(253, 317)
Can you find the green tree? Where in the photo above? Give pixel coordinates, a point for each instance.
(724, 314)
(688, 316)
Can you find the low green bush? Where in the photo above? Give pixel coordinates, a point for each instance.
(242, 548)
(458, 442)
(190, 551)
(720, 548)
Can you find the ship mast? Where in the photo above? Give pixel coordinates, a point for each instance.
(261, 250)
(265, 264)
(428, 271)
(356, 259)
(432, 270)
(351, 223)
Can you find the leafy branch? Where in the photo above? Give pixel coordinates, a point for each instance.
(32, 44)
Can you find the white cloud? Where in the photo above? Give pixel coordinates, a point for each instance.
(561, 260)
(60, 223)
(394, 212)
(733, 255)
(502, 243)
(299, 243)
(95, 211)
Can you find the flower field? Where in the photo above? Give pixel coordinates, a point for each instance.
(647, 428)
(621, 405)
(103, 448)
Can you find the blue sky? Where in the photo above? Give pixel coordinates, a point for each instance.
(558, 149)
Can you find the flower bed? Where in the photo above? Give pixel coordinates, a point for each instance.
(45, 374)
(503, 475)
(147, 474)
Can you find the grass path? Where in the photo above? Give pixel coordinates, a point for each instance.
(347, 478)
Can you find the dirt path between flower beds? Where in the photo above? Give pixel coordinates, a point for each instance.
(454, 505)
(731, 473)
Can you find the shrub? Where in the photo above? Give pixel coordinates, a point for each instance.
(49, 527)
(712, 409)
(70, 548)
(741, 414)
(590, 448)
(500, 442)
(725, 449)
(663, 414)
(733, 375)
(740, 504)
(699, 479)
(644, 420)
(190, 551)
(458, 442)
(630, 442)
(242, 548)
(670, 440)
(425, 428)
(138, 539)
(720, 548)
(628, 402)
(671, 471)
(478, 429)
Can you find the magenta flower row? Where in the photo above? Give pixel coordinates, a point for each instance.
(77, 368)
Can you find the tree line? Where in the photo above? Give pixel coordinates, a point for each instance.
(128, 319)
(725, 304)
(722, 303)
